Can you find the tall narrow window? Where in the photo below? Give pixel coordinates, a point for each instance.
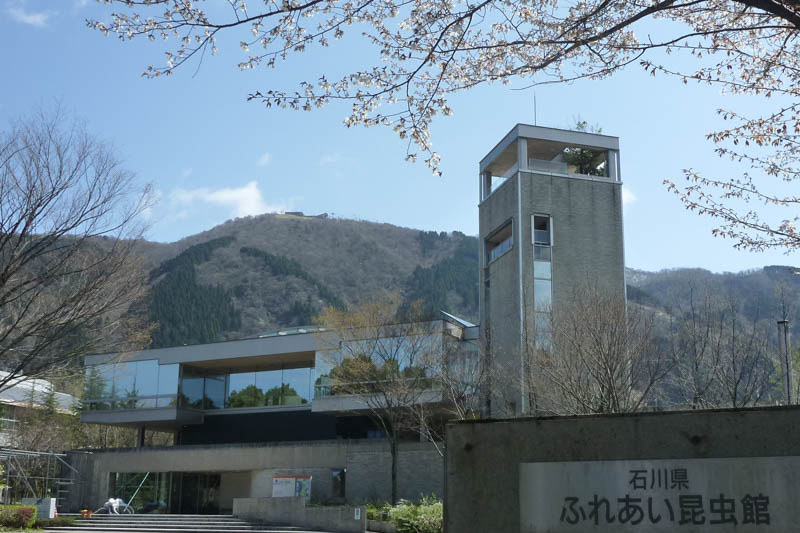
(499, 242)
(541, 230)
(542, 279)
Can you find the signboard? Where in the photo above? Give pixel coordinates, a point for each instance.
(749, 494)
(45, 507)
(288, 486)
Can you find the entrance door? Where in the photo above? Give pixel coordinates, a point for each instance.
(195, 493)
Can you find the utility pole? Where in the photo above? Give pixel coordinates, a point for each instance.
(783, 334)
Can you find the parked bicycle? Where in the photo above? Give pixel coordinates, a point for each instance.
(115, 506)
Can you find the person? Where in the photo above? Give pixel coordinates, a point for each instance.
(112, 505)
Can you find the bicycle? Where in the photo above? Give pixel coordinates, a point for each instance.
(124, 508)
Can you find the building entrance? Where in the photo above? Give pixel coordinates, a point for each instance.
(168, 492)
(195, 493)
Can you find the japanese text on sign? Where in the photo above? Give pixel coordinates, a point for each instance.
(741, 494)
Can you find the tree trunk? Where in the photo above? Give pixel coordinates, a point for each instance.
(393, 450)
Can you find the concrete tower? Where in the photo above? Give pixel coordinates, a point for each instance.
(550, 221)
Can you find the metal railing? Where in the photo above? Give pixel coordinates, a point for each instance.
(131, 402)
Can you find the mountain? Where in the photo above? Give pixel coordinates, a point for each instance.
(257, 274)
(761, 294)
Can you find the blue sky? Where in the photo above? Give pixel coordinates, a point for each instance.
(213, 156)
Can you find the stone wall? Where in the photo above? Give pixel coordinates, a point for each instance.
(295, 512)
(420, 471)
(248, 469)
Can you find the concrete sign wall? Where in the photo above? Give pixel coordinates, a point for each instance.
(601, 473)
(749, 494)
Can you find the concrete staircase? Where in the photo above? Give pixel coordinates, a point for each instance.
(158, 523)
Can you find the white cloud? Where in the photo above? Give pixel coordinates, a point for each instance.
(627, 196)
(242, 201)
(264, 159)
(32, 18)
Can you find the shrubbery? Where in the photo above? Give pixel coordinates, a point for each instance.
(378, 511)
(17, 516)
(61, 521)
(424, 516)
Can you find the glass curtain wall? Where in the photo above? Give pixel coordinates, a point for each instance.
(146, 492)
(130, 385)
(265, 388)
(168, 492)
(400, 357)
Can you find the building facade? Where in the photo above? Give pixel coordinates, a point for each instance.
(550, 224)
(245, 413)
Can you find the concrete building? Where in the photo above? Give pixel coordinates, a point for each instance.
(25, 394)
(247, 413)
(550, 223)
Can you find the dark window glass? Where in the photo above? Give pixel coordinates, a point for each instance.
(192, 392)
(214, 392)
(541, 230)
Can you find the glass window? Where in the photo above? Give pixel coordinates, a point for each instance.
(147, 378)
(167, 385)
(500, 249)
(95, 385)
(541, 229)
(296, 386)
(106, 378)
(322, 369)
(541, 253)
(168, 379)
(125, 380)
(543, 322)
(542, 295)
(541, 269)
(192, 389)
(544, 340)
(268, 385)
(499, 242)
(214, 392)
(242, 390)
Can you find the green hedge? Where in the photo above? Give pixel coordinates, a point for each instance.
(378, 511)
(424, 516)
(61, 521)
(17, 516)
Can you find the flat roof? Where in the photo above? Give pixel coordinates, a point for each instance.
(527, 131)
(295, 342)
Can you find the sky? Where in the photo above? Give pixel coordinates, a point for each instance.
(211, 155)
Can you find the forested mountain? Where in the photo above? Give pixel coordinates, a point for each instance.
(761, 294)
(259, 274)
